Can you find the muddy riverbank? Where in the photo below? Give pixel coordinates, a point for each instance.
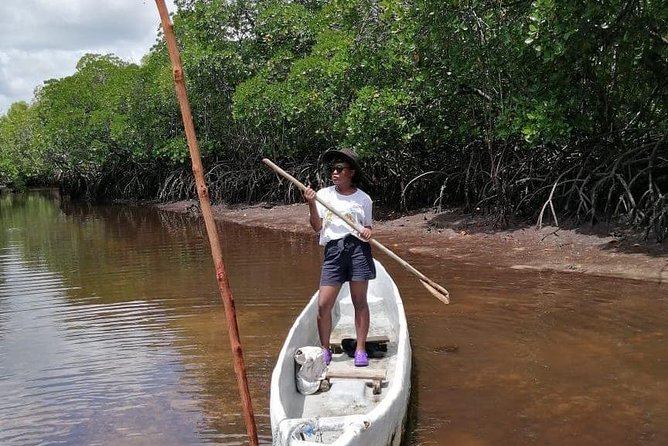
(450, 237)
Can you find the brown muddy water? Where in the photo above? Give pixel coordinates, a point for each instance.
(112, 333)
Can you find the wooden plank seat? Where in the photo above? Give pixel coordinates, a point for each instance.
(376, 377)
(375, 345)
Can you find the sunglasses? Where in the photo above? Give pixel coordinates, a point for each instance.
(336, 168)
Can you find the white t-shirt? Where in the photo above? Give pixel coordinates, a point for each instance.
(356, 207)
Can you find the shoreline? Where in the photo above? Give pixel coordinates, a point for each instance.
(452, 237)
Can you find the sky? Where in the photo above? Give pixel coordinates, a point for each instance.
(44, 39)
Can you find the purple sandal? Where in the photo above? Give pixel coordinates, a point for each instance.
(361, 359)
(327, 355)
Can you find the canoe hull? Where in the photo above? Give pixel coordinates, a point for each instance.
(349, 413)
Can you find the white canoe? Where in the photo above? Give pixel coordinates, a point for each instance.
(351, 412)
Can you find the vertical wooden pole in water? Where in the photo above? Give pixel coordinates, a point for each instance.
(216, 252)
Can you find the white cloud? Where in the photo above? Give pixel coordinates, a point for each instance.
(44, 39)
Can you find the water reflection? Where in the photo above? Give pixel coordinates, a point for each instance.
(539, 358)
(112, 332)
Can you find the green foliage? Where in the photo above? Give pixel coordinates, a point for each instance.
(83, 114)
(153, 110)
(175, 150)
(283, 26)
(21, 147)
(301, 105)
(378, 120)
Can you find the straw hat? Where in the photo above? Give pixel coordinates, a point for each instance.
(345, 155)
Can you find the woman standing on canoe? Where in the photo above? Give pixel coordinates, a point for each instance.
(347, 254)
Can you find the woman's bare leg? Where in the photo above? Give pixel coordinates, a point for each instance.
(358, 290)
(326, 299)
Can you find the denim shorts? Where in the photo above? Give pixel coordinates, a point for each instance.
(347, 259)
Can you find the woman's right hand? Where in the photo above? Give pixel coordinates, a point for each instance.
(309, 194)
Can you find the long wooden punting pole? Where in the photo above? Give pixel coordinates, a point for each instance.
(434, 288)
(216, 251)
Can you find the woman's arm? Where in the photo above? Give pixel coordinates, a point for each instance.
(367, 206)
(314, 217)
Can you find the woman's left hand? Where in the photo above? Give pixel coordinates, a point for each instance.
(366, 233)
